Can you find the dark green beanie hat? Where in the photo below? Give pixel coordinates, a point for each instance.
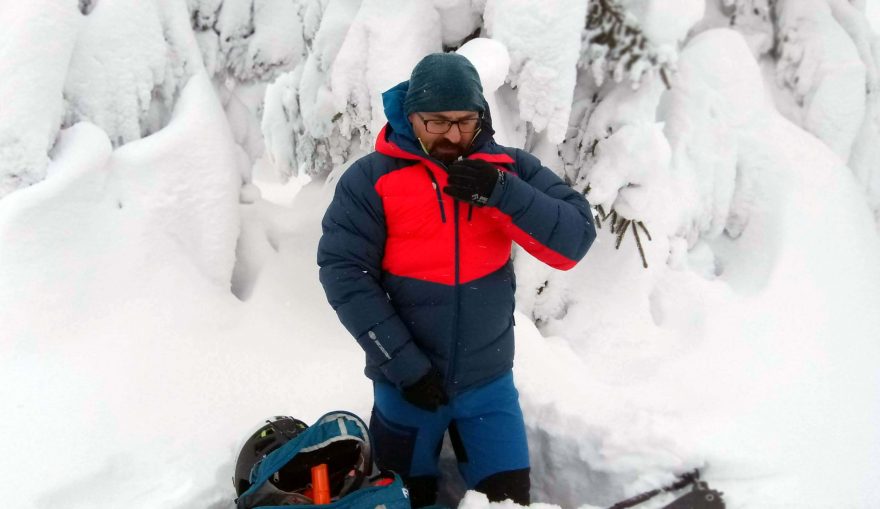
(444, 82)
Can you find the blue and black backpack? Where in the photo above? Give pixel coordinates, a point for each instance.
(274, 467)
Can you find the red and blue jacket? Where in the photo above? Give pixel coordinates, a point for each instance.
(422, 279)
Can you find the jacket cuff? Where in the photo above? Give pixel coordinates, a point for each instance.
(389, 344)
(500, 189)
(407, 367)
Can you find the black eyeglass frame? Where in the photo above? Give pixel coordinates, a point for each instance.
(449, 123)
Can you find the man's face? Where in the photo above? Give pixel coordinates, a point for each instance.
(448, 146)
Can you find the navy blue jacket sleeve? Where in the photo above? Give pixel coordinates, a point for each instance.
(548, 218)
(350, 259)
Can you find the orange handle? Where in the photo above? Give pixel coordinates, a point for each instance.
(320, 484)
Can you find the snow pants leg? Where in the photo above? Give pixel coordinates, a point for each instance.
(486, 429)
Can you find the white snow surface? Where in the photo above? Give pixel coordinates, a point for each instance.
(872, 13)
(154, 310)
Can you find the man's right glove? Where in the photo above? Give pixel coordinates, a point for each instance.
(473, 180)
(427, 393)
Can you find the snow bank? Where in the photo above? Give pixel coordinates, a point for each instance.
(812, 338)
(165, 198)
(145, 377)
(734, 357)
(121, 345)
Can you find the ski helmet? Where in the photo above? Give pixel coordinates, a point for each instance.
(276, 432)
(348, 462)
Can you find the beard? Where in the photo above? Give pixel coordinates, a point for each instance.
(446, 151)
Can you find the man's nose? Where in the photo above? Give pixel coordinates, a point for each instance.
(454, 134)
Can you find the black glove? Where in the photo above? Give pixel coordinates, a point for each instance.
(473, 180)
(428, 393)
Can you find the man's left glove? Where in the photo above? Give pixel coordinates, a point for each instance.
(427, 393)
(473, 180)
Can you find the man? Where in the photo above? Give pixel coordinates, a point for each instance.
(415, 259)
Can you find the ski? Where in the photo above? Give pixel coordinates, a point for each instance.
(700, 496)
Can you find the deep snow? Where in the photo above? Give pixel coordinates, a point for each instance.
(154, 310)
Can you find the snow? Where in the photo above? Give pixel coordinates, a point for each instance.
(247, 42)
(459, 19)
(362, 70)
(670, 346)
(822, 65)
(330, 105)
(665, 23)
(543, 49)
(29, 122)
(123, 48)
(717, 93)
(121, 67)
(829, 64)
(872, 14)
(274, 45)
(160, 294)
(491, 60)
(141, 240)
(627, 162)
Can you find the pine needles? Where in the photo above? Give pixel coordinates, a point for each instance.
(620, 225)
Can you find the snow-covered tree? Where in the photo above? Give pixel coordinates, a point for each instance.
(120, 65)
(614, 152)
(614, 44)
(249, 40)
(328, 107)
(130, 61)
(826, 60)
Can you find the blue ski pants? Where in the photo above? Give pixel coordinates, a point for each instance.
(485, 426)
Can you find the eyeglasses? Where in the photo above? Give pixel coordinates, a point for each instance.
(437, 126)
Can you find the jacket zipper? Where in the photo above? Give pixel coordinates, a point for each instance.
(453, 348)
(450, 375)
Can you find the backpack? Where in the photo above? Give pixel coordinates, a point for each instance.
(341, 441)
